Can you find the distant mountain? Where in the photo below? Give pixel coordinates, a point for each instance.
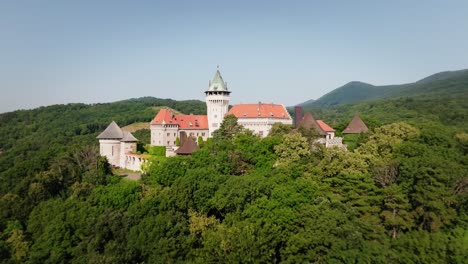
(307, 102)
(447, 84)
(443, 75)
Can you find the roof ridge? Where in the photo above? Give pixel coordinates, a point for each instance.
(112, 131)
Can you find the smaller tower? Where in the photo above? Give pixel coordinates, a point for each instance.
(109, 143)
(115, 144)
(298, 115)
(217, 102)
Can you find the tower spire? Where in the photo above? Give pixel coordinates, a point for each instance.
(218, 84)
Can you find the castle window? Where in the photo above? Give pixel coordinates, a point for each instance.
(168, 134)
(174, 134)
(203, 134)
(215, 124)
(112, 150)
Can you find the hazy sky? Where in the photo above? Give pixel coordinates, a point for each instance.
(54, 52)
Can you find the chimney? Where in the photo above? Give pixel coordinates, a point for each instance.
(298, 115)
(183, 137)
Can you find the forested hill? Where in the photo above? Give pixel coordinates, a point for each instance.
(445, 84)
(400, 195)
(29, 138)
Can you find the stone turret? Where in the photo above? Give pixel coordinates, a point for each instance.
(114, 143)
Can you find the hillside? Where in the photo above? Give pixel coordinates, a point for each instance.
(400, 195)
(30, 139)
(447, 84)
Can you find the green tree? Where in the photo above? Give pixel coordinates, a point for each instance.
(292, 149)
(228, 129)
(279, 129)
(19, 245)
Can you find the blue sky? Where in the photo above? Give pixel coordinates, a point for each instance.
(56, 51)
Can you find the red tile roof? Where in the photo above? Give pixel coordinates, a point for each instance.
(165, 116)
(259, 110)
(324, 126)
(309, 122)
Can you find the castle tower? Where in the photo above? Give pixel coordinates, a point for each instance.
(109, 143)
(217, 102)
(115, 144)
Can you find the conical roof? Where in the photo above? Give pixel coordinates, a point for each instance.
(310, 122)
(356, 126)
(112, 131)
(217, 84)
(128, 137)
(188, 147)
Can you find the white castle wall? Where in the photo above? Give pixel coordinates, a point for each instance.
(204, 133)
(110, 149)
(262, 126)
(164, 135)
(125, 148)
(133, 162)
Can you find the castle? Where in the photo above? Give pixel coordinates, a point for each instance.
(167, 128)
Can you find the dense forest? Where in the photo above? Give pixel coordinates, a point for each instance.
(400, 195)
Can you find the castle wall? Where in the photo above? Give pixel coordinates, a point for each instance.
(126, 148)
(110, 149)
(161, 135)
(204, 133)
(262, 126)
(133, 162)
(164, 135)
